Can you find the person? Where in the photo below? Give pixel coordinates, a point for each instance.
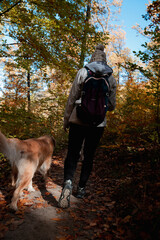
(81, 133)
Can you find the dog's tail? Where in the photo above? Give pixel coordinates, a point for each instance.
(4, 146)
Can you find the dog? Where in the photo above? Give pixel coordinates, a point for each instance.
(26, 157)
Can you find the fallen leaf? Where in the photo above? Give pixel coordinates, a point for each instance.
(3, 227)
(38, 205)
(87, 227)
(47, 193)
(2, 202)
(56, 219)
(93, 224)
(126, 219)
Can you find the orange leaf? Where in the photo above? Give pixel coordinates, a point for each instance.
(39, 205)
(56, 219)
(47, 193)
(22, 201)
(3, 202)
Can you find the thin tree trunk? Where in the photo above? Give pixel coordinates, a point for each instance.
(118, 79)
(158, 109)
(28, 91)
(84, 39)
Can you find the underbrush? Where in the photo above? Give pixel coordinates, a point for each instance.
(135, 175)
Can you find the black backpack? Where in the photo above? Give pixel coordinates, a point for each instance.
(94, 99)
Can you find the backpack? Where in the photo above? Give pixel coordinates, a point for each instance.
(94, 99)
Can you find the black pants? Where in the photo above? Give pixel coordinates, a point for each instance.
(91, 137)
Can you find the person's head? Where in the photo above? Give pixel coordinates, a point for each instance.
(99, 54)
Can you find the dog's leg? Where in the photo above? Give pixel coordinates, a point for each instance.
(14, 175)
(30, 187)
(45, 168)
(23, 181)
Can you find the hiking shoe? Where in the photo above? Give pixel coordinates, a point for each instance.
(64, 200)
(80, 192)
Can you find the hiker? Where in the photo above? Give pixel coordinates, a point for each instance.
(82, 132)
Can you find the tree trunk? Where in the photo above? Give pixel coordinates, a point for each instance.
(158, 110)
(84, 39)
(118, 79)
(28, 91)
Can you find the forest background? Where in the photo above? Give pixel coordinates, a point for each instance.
(44, 43)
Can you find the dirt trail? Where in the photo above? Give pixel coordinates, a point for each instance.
(122, 201)
(42, 220)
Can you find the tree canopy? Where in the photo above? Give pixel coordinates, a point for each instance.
(46, 32)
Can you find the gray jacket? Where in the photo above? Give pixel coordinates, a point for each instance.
(74, 98)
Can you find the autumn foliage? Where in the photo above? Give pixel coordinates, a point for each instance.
(43, 44)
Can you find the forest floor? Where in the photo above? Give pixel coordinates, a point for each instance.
(122, 201)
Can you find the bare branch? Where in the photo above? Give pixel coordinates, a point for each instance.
(10, 8)
(9, 44)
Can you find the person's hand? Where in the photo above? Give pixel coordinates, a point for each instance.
(65, 127)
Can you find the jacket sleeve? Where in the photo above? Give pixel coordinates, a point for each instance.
(112, 94)
(75, 94)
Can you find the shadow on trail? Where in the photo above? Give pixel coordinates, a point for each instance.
(47, 196)
(37, 225)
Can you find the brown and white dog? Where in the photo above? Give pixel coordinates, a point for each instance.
(26, 157)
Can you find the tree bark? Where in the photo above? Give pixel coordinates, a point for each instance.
(28, 91)
(84, 39)
(158, 108)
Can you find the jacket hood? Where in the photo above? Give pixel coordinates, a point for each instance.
(99, 68)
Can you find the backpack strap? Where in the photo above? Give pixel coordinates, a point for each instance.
(106, 78)
(89, 73)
